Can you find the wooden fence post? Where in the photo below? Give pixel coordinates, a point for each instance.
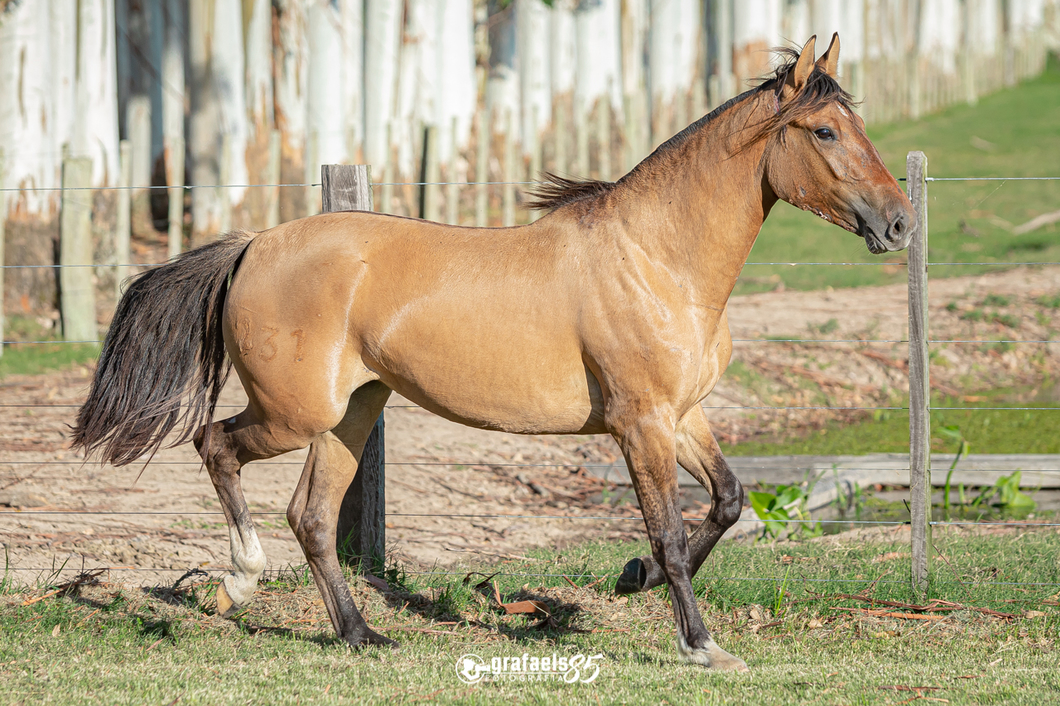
(508, 192)
(77, 294)
(452, 193)
(175, 182)
(123, 221)
(272, 213)
(919, 381)
(361, 535)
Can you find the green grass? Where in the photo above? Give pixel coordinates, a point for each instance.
(803, 642)
(33, 359)
(988, 431)
(966, 219)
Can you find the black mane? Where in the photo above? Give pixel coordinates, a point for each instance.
(820, 89)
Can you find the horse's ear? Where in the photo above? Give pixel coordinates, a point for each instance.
(829, 61)
(798, 75)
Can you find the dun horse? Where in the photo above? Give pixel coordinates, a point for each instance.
(606, 316)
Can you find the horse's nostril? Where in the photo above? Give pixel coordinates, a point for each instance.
(898, 226)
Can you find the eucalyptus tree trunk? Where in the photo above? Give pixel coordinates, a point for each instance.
(29, 88)
(290, 98)
(674, 49)
(218, 112)
(381, 55)
(326, 117)
(532, 28)
(756, 30)
(599, 56)
(417, 82)
(352, 31)
(96, 98)
(502, 88)
(457, 96)
(257, 41)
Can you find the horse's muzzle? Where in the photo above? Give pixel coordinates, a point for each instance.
(886, 230)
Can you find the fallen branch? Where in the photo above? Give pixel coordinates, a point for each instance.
(1036, 223)
(82, 579)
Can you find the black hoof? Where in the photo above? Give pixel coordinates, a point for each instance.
(641, 574)
(370, 637)
(632, 578)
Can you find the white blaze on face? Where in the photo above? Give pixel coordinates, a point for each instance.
(842, 111)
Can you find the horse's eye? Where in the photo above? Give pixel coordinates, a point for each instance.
(824, 133)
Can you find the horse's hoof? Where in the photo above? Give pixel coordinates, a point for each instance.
(226, 607)
(711, 656)
(370, 637)
(640, 574)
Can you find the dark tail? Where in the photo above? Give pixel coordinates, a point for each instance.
(164, 351)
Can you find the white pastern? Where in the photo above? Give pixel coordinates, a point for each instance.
(711, 656)
(248, 562)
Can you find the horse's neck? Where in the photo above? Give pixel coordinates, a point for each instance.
(713, 198)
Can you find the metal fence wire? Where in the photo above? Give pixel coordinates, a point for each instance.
(920, 201)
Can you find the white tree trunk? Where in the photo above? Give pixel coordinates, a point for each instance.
(291, 59)
(532, 26)
(456, 97)
(756, 30)
(381, 56)
(417, 81)
(64, 55)
(502, 88)
(674, 49)
(325, 107)
(174, 91)
(27, 111)
(218, 110)
(352, 29)
(96, 127)
(258, 41)
(599, 54)
(564, 48)
(939, 35)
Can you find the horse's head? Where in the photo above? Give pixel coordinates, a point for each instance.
(819, 158)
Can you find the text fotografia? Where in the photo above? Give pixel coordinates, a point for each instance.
(472, 669)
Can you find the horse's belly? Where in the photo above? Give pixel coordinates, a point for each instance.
(560, 400)
(510, 377)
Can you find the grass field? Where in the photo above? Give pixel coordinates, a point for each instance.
(1012, 133)
(985, 425)
(805, 623)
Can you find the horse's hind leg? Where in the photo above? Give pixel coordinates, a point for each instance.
(234, 443)
(699, 454)
(314, 509)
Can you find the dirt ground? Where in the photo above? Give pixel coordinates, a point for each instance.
(456, 494)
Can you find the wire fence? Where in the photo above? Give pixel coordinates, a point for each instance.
(632, 515)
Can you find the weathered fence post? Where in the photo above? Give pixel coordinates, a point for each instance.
(77, 295)
(361, 535)
(919, 381)
(123, 220)
(482, 160)
(452, 193)
(272, 213)
(508, 192)
(175, 182)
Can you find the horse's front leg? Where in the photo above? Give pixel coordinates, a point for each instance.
(649, 447)
(698, 452)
